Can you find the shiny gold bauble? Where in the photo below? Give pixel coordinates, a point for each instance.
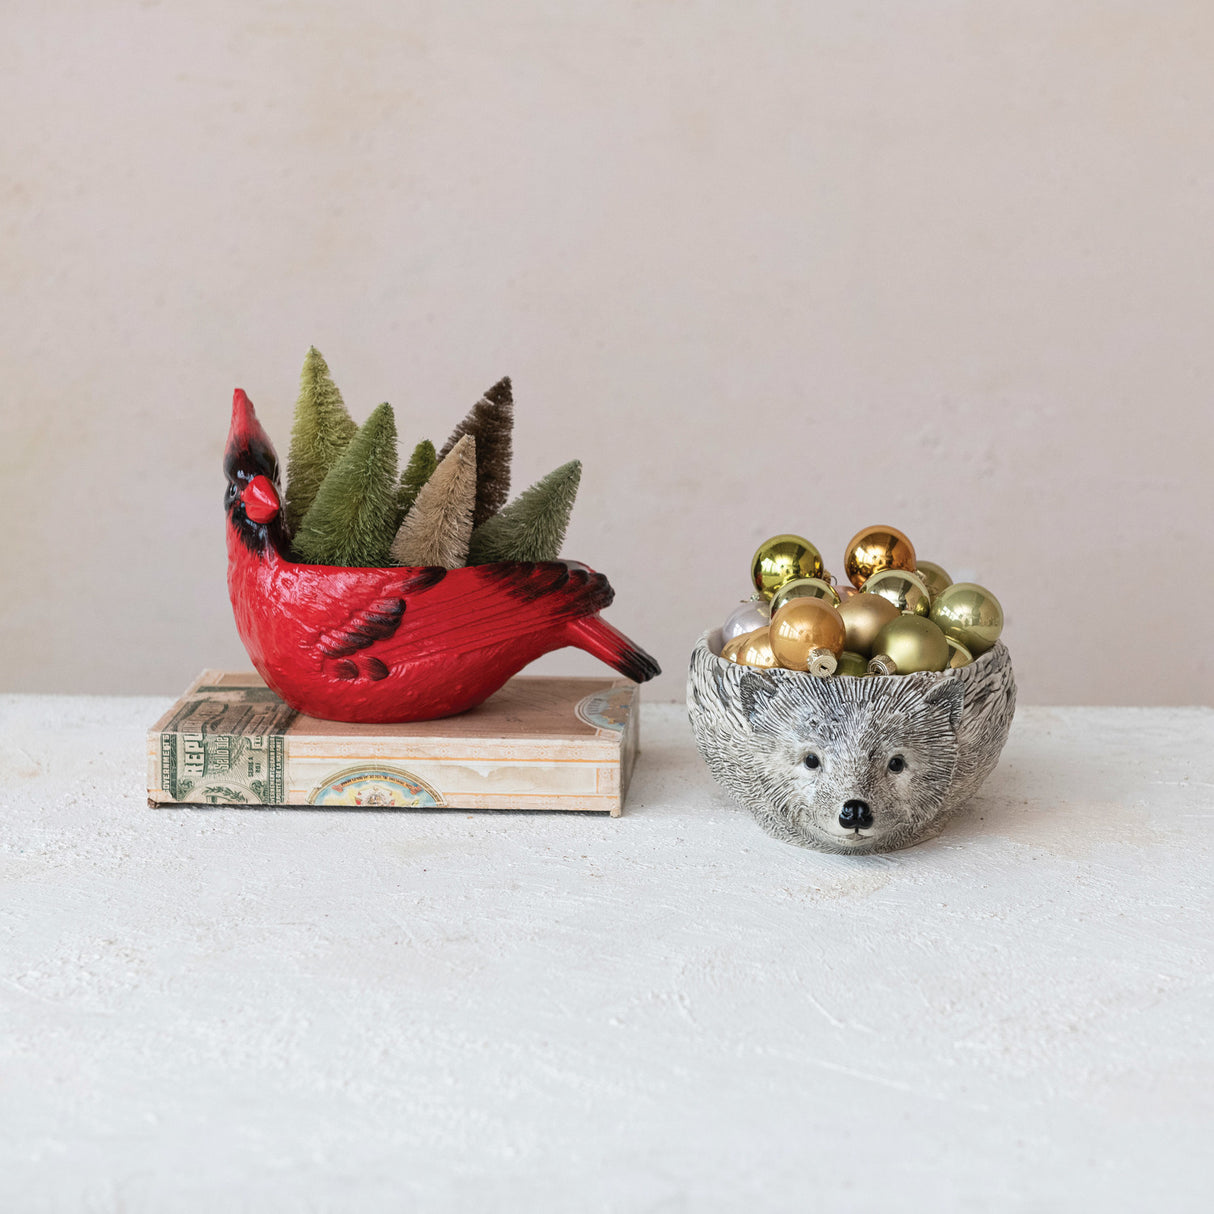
(800, 627)
(958, 654)
(912, 643)
(732, 647)
(935, 577)
(864, 616)
(804, 588)
(781, 559)
(755, 650)
(970, 614)
(874, 549)
(854, 664)
(907, 591)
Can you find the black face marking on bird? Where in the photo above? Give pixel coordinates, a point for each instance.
(251, 468)
(253, 498)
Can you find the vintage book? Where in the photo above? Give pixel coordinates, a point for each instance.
(538, 743)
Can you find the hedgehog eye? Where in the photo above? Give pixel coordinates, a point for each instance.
(897, 763)
(812, 761)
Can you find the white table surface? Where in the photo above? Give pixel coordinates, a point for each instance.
(226, 1010)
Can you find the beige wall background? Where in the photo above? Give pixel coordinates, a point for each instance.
(763, 267)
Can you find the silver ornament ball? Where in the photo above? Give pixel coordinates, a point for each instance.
(746, 617)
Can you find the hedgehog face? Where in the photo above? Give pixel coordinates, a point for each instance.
(865, 771)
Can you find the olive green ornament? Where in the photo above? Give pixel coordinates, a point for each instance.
(971, 614)
(907, 591)
(909, 644)
(852, 663)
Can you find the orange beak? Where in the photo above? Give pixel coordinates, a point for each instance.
(260, 500)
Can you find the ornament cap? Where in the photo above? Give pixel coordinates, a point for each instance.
(883, 664)
(822, 663)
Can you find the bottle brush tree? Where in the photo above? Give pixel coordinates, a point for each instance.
(321, 432)
(532, 527)
(437, 530)
(352, 519)
(417, 472)
(491, 422)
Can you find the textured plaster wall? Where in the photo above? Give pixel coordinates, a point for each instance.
(765, 267)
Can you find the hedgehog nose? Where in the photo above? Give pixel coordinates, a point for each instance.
(856, 815)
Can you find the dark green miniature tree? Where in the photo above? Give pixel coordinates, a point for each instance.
(353, 517)
(321, 432)
(417, 472)
(491, 422)
(437, 530)
(532, 527)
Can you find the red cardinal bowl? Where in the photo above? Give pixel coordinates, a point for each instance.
(394, 644)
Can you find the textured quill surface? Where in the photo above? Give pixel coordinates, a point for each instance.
(351, 520)
(754, 728)
(491, 422)
(438, 528)
(321, 432)
(532, 527)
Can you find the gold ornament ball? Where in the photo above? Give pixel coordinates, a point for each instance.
(781, 559)
(732, 647)
(907, 591)
(804, 588)
(958, 654)
(845, 591)
(864, 616)
(802, 626)
(874, 549)
(969, 613)
(935, 577)
(755, 650)
(855, 664)
(913, 643)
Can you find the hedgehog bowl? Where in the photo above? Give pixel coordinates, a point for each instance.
(851, 765)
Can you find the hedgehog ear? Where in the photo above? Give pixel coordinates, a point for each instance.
(756, 691)
(948, 694)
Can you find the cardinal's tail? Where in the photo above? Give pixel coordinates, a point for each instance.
(593, 634)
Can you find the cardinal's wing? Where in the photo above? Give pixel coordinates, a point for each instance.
(382, 614)
(488, 604)
(368, 606)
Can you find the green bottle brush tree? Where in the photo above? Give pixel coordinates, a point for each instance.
(345, 504)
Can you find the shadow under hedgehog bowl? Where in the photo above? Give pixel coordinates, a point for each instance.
(849, 764)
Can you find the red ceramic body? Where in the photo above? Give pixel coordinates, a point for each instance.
(394, 644)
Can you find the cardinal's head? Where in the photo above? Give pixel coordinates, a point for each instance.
(253, 501)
